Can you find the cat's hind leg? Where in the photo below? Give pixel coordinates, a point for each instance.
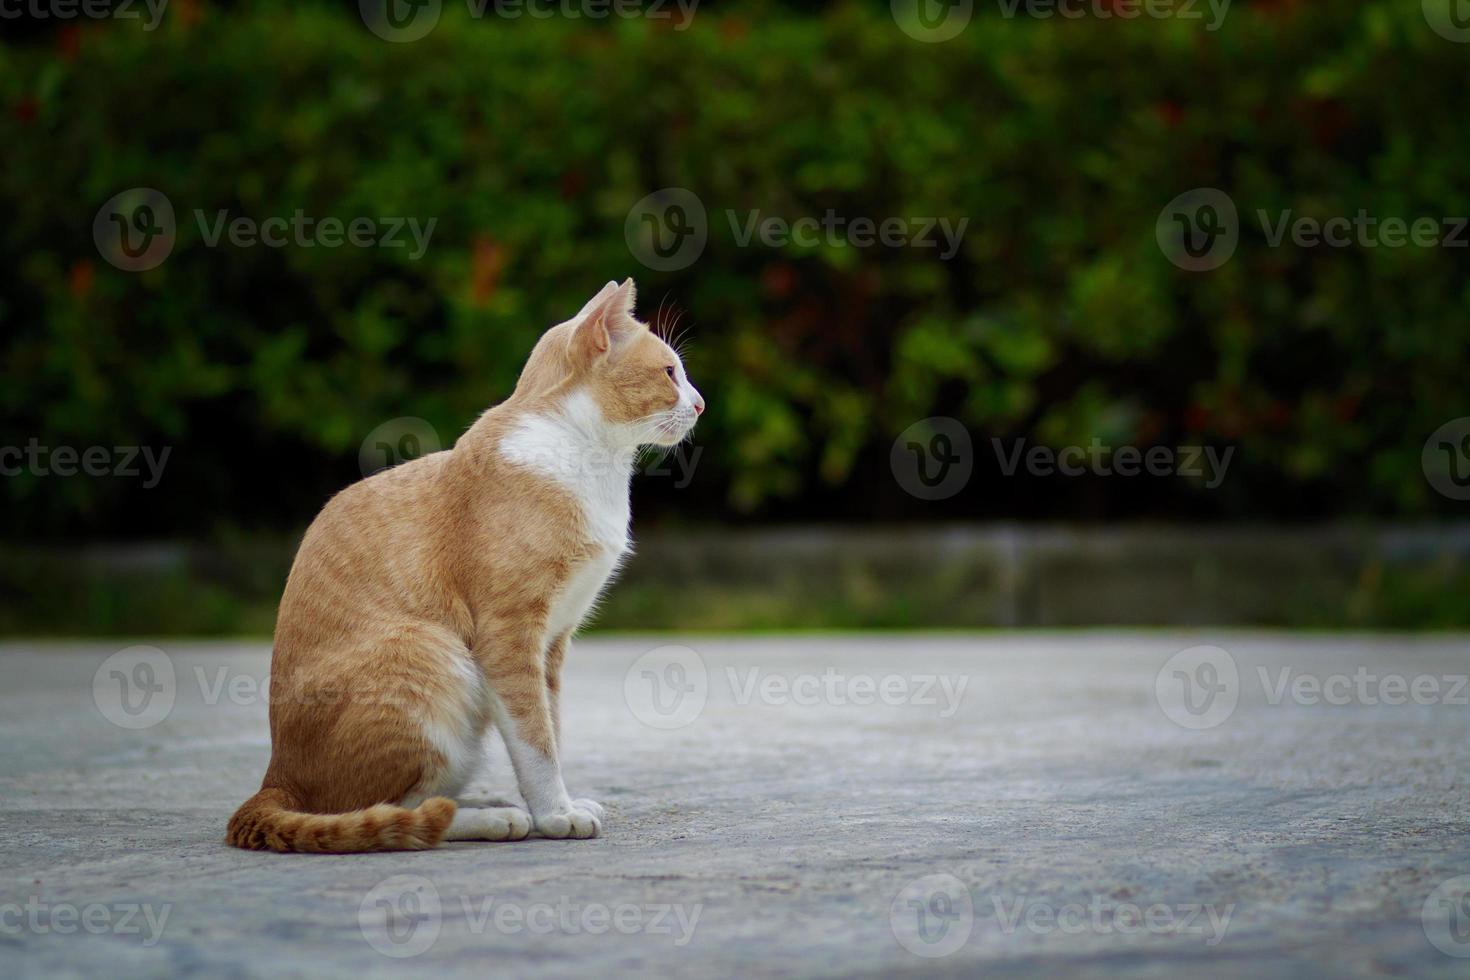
(455, 729)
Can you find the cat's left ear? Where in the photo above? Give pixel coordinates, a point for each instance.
(607, 321)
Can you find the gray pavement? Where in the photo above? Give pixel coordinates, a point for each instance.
(1076, 804)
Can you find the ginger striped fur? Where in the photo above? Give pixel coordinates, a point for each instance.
(436, 600)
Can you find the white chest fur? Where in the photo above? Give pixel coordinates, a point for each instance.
(580, 594)
(577, 449)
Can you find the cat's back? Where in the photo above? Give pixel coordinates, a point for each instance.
(401, 495)
(366, 551)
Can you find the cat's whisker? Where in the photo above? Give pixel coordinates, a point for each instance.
(662, 327)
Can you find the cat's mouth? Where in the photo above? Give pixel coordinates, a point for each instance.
(674, 428)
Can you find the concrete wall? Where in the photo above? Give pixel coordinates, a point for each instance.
(868, 577)
(1068, 576)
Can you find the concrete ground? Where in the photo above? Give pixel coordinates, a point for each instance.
(1081, 804)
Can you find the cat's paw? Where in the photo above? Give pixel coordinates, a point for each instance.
(508, 823)
(593, 807)
(578, 822)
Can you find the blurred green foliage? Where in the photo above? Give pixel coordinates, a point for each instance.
(1060, 320)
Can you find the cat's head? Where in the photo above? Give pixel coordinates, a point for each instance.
(634, 377)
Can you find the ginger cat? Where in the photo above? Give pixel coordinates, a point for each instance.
(436, 599)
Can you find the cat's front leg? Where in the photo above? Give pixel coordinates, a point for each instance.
(556, 655)
(523, 705)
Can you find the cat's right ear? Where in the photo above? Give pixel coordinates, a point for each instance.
(604, 322)
(596, 301)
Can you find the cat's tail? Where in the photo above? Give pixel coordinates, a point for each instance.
(269, 821)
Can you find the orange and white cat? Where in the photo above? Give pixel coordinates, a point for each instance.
(435, 600)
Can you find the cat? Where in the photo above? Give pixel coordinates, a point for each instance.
(435, 600)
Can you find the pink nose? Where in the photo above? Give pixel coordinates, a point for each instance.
(698, 404)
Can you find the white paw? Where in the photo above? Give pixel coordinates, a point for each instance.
(583, 819)
(593, 807)
(493, 823)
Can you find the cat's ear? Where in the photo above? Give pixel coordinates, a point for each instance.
(597, 300)
(606, 321)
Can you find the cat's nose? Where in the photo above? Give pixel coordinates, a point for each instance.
(698, 403)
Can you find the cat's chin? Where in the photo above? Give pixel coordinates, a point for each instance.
(666, 438)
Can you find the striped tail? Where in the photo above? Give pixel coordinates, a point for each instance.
(269, 821)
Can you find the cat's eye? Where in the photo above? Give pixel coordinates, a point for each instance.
(670, 372)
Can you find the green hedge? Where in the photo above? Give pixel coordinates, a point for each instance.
(1060, 320)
